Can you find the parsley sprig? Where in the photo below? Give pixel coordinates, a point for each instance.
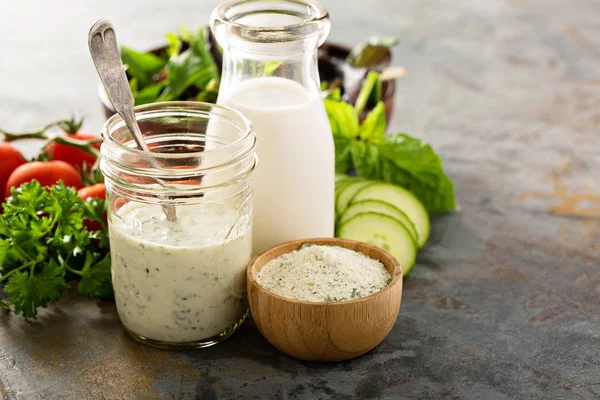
(44, 245)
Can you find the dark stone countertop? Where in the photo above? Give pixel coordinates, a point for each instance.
(505, 300)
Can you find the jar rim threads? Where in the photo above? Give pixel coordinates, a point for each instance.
(190, 141)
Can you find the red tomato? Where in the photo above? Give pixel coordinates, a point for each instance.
(97, 191)
(71, 155)
(10, 159)
(47, 173)
(119, 202)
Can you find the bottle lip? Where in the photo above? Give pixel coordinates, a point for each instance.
(313, 19)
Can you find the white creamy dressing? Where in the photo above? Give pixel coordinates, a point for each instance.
(181, 281)
(323, 273)
(294, 181)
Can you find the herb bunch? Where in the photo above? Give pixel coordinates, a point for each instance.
(397, 158)
(44, 245)
(185, 70)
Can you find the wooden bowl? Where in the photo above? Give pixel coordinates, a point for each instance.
(322, 331)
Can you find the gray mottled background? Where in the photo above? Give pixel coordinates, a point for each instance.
(505, 300)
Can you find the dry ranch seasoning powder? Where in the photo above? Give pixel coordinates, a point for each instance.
(323, 273)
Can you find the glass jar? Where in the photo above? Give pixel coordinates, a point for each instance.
(270, 74)
(180, 284)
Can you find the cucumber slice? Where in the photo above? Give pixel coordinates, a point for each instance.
(339, 185)
(347, 193)
(383, 208)
(401, 199)
(340, 177)
(383, 231)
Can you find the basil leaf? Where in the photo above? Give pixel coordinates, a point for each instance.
(373, 127)
(342, 118)
(365, 158)
(413, 164)
(141, 66)
(149, 94)
(343, 154)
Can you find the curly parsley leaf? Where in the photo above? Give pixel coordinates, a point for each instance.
(94, 210)
(96, 280)
(27, 291)
(44, 245)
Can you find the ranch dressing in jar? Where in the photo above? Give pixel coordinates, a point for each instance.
(180, 284)
(177, 281)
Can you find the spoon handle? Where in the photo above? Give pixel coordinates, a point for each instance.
(104, 50)
(102, 42)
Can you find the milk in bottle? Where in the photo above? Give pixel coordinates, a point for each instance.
(294, 181)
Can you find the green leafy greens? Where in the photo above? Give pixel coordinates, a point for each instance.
(371, 52)
(396, 158)
(184, 70)
(44, 245)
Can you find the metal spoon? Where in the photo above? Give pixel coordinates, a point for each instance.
(102, 42)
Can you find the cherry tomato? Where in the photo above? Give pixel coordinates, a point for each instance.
(47, 173)
(10, 159)
(97, 191)
(71, 155)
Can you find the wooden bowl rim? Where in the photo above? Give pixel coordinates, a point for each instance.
(396, 276)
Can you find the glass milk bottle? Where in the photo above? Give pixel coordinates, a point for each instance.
(270, 74)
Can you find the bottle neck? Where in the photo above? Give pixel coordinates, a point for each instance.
(296, 61)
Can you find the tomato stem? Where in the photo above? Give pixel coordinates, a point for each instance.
(68, 126)
(85, 145)
(37, 134)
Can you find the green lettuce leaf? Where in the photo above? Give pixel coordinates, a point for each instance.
(141, 66)
(193, 67)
